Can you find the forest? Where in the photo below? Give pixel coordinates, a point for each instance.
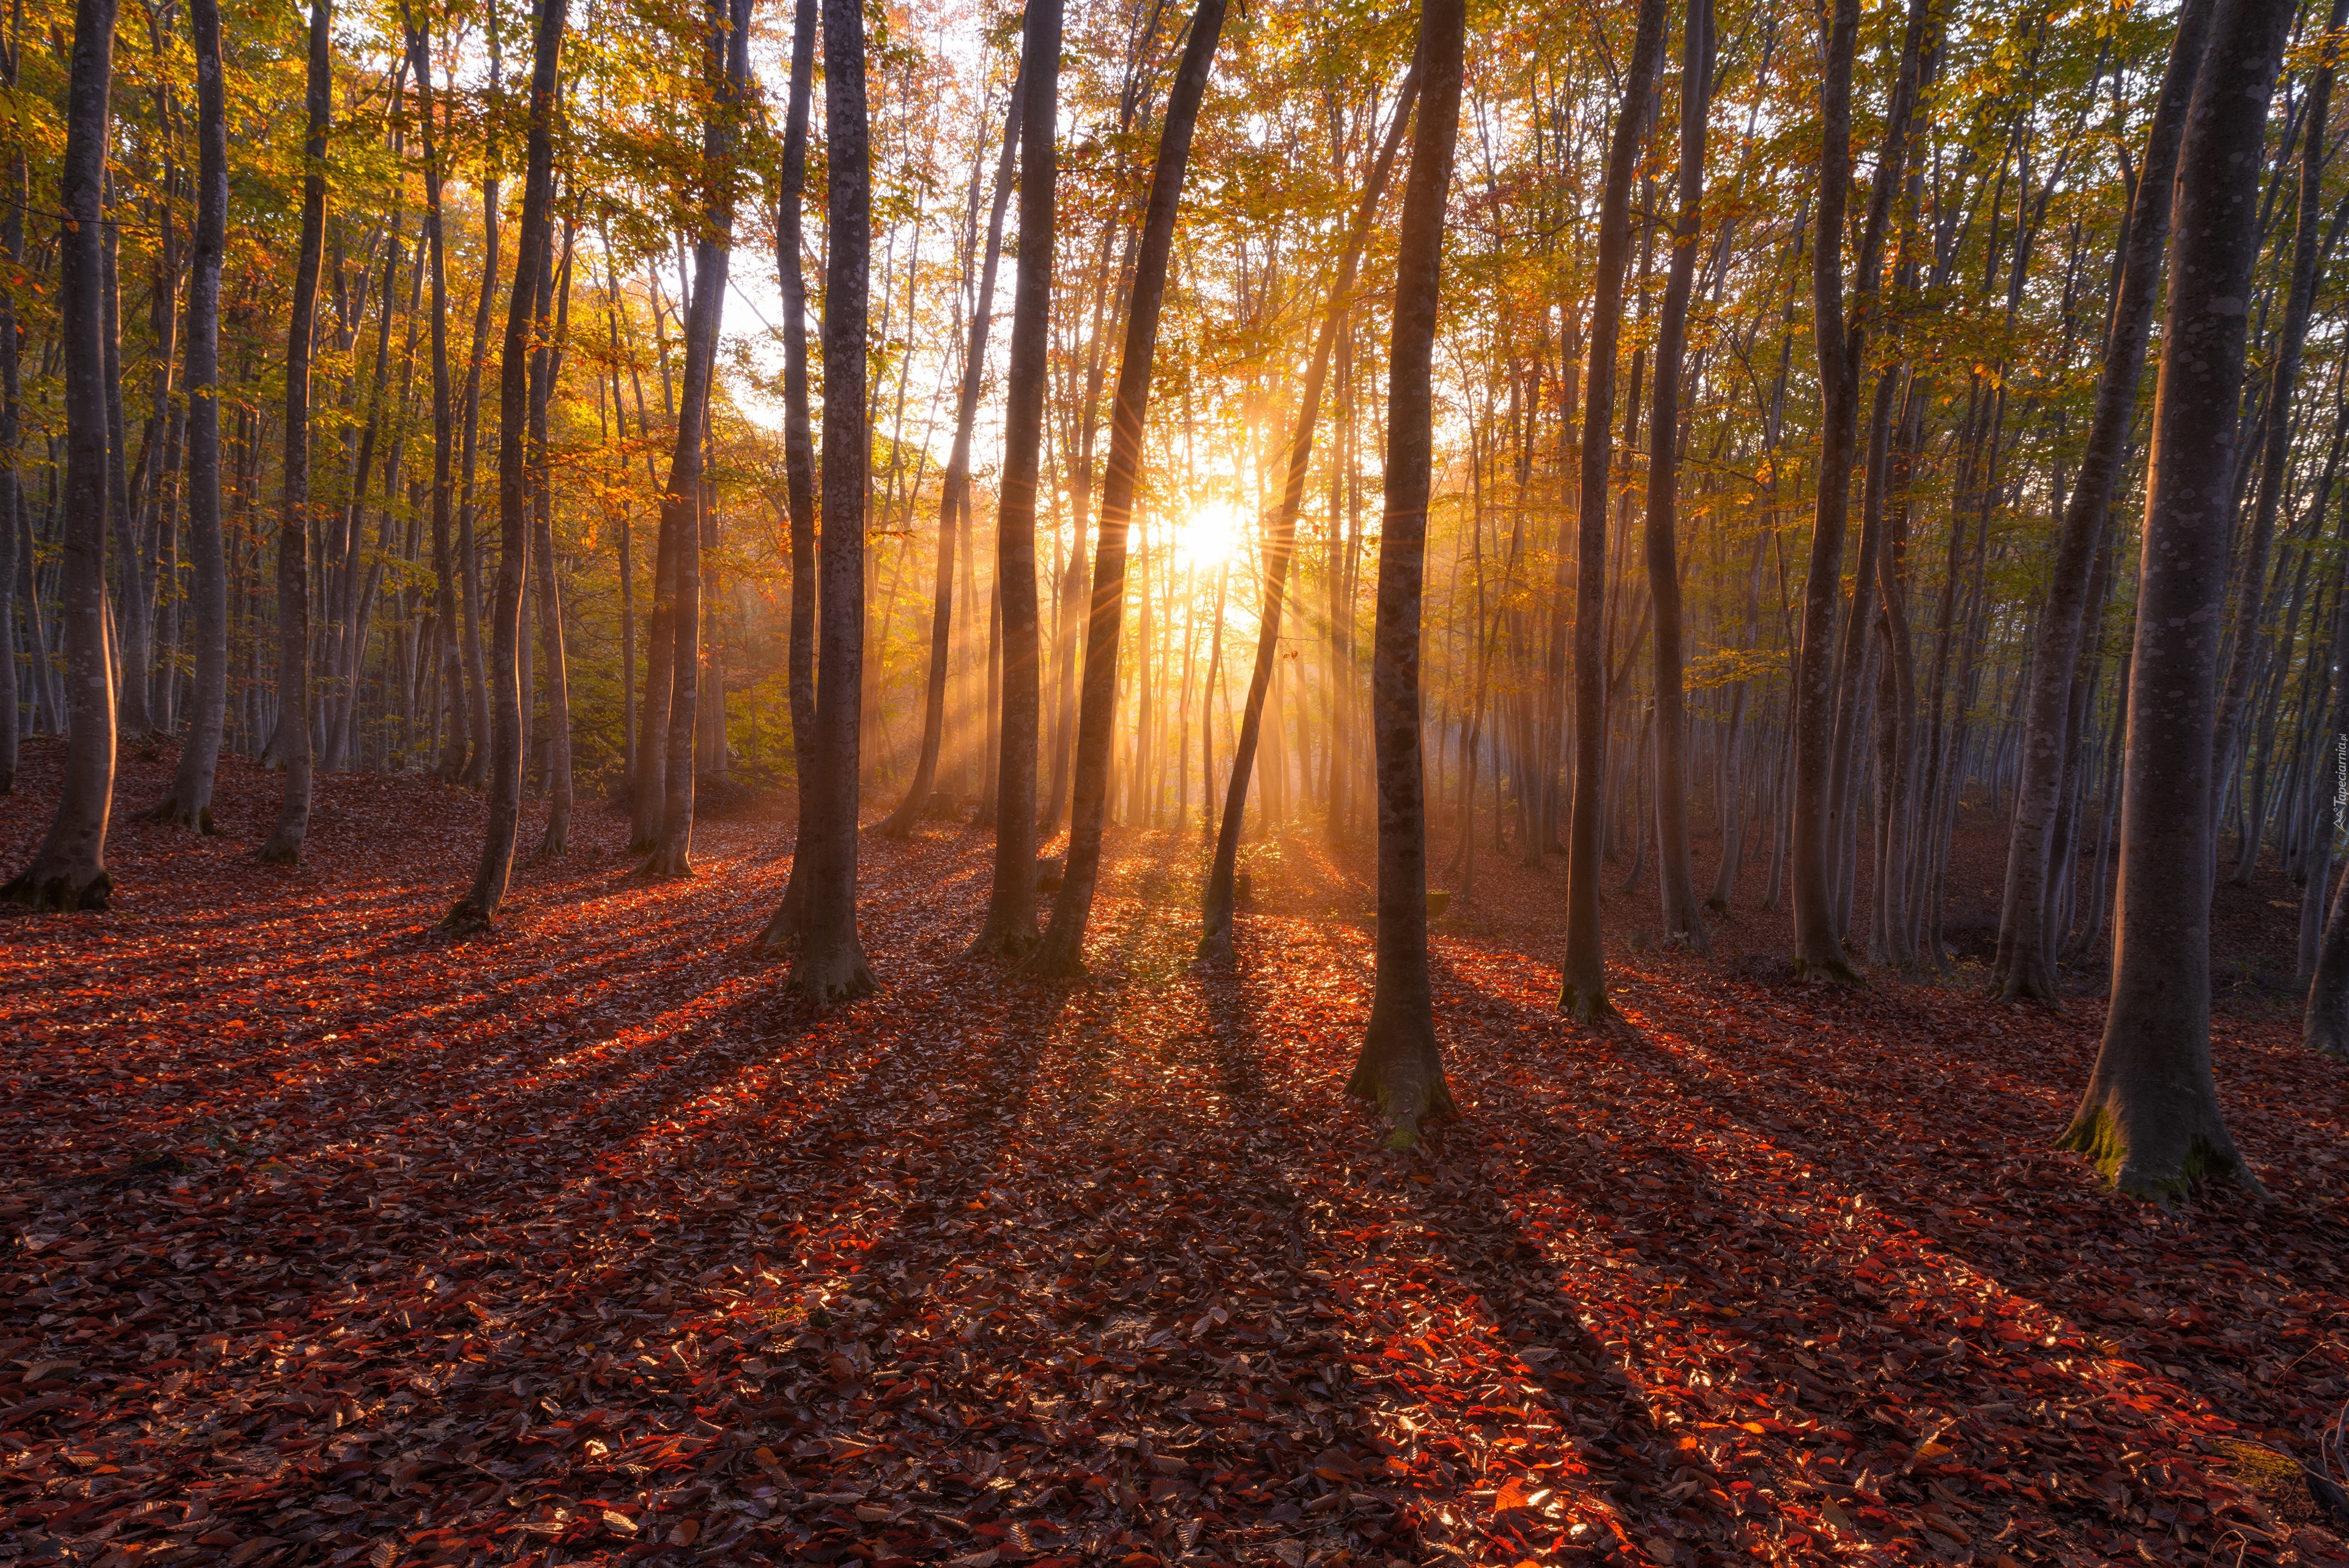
(1157, 782)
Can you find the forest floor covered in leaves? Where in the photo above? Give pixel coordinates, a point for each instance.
(331, 1240)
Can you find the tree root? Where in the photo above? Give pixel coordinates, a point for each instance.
(281, 850)
(1585, 1006)
(59, 892)
(171, 814)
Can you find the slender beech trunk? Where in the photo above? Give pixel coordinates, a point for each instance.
(955, 499)
(2023, 969)
(798, 463)
(1401, 1067)
(476, 666)
(1216, 911)
(481, 905)
(728, 66)
(12, 257)
(190, 803)
(285, 845)
(1584, 989)
(1009, 930)
(2276, 428)
(2325, 1020)
(69, 870)
(1683, 922)
(1061, 951)
(831, 965)
(2149, 1117)
(458, 739)
(545, 369)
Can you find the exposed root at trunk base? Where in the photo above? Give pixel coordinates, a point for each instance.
(831, 971)
(59, 892)
(467, 919)
(2165, 1171)
(281, 850)
(1834, 971)
(665, 865)
(171, 814)
(1585, 1006)
(1216, 944)
(554, 844)
(1011, 946)
(1404, 1079)
(1054, 960)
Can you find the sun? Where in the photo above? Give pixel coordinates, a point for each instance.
(1210, 533)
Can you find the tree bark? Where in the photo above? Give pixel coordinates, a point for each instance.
(1401, 1067)
(1216, 909)
(1584, 989)
(1010, 931)
(285, 845)
(1061, 951)
(1684, 922)
(189, 802)
(798, 464)
(545, 369)
(2150, 1116)
(2276, 428)
(481, 905)
(728, 54)
(831, 961)
(69, 870)
(2023, 967)
(956, 498)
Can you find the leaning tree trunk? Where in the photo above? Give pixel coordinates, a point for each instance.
(729, 55)
(190, 803)
(955, 497)
(1399, 1068)
(1683, 922)
(285, 845)
(2150, 1116)
(68, 871)
(1061, 952)
(1584, 990)
(799, 464)
(2023, 967)
(1215, 908)
(831, 962)
(1010, 931)
(481, 905)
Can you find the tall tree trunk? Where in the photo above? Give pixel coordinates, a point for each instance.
(69, 870)
(2150, 1116)
(2275, 476)
(1216, 911)
(476, 666)
(190, 803)
(1399, 1068)
(481, 905)
(285, 845)
(545, 369)
(1683, 922)
(12, 257)
(798, 464)
(831, 961)
(458, 740)
(728, 66)
(1009, 930)
(1061, 952)
(899, 824)
(2022, 970)
(1584, 990)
